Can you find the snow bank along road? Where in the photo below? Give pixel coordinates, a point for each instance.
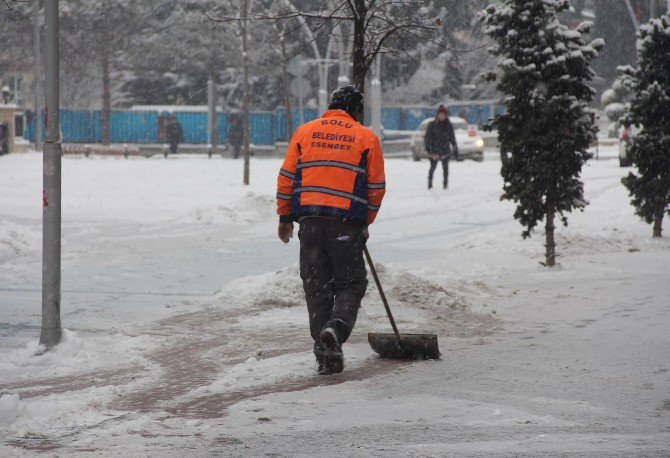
(186, 330)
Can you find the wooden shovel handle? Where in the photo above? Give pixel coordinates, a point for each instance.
(381, 292)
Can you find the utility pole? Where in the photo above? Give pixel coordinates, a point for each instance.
(38, 74)
(245, 90)
(212, 134)
(106, 112)
(298, 86)
(51, 194)
(344, 52)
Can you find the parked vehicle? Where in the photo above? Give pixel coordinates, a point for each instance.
(470, 143)
(626, 135)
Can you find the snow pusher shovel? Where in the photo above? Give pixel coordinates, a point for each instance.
(396, 345)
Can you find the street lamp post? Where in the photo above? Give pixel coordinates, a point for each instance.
(38, 73)
(376, 99)
(322, 66)
(51, 194)
(632, 15)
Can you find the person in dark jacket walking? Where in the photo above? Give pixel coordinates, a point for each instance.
(174, 133)
(440, 144)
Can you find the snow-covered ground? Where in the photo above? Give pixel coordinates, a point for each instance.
(186, 330)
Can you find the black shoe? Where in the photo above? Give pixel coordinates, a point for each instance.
(445, 185)
(320, 359)
(430, 184)
(333, 359)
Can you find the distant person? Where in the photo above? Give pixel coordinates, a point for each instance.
(174, 133)
(235, 133)
(440, 144)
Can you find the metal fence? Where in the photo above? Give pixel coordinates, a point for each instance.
(266, 128)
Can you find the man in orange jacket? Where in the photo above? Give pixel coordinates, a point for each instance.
(332, 183)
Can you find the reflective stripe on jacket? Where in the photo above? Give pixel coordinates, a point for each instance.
(333, 167)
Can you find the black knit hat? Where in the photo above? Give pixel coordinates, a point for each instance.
(347, 98)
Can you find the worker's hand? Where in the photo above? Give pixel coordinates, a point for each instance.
(285, 232)
(366, 233)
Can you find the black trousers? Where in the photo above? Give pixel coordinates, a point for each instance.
(445, 168)
(173, 146)
(236, 151)
(332, 268)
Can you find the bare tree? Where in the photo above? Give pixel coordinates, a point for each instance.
(11, 4)
(103, 29)
(385, 26)
(238, 12)
(376, 26)
(15, 26)
(280, 27)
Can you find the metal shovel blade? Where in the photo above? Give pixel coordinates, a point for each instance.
(410, 346)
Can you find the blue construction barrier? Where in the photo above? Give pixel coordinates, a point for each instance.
(265, 128)
(281, 134)
(29, 129)
(262, 128)
(391, 119)
(222, 127)
(131, 127)
(80, 126)
(194, 126)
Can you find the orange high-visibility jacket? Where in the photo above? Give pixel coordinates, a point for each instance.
(333, 167)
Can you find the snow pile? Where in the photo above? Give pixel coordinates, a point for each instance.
(69, 355)
(272, 290)
(572, 243)
(261, 372)
(612, 241)
(284, 289)
(16, 240)
(10, 409)
(32, 416)
(73, 355)
(250, 208)
(415, 291)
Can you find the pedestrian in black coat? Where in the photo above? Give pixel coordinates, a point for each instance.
(235, 133)
(174, 133)
(440, 144)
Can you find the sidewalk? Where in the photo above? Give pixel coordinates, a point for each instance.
(197, 351)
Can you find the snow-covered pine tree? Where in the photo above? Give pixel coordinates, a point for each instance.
(547, 127)
(650, 110)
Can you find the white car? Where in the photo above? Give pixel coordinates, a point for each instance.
(470, 144)
(626, 134)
